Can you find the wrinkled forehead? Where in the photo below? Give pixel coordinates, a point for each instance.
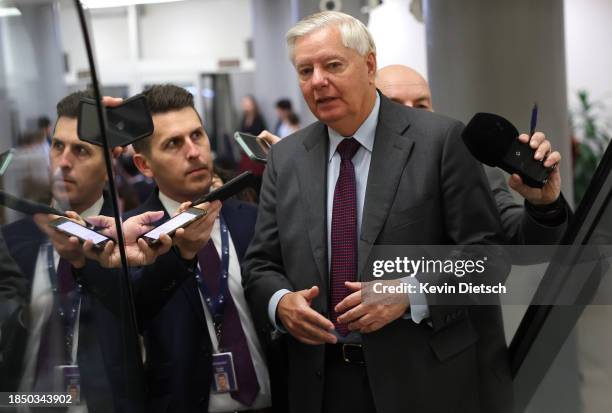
(406, 89)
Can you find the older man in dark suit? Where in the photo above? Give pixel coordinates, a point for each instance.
(371, 172)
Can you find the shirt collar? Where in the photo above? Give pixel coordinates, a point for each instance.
(364, 135)
(169, 204)
(93, 210)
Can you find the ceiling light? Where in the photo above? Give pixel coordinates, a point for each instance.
(9, 11)
(102, 4)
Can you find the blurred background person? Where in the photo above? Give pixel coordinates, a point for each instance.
(284, 109)
(44, 126)
(28, 174)
(252, 123)
(294, 123)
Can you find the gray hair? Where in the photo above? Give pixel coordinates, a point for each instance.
(353, 32)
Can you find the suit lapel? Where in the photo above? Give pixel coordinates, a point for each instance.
(107, 205)
(389, 156)
(234, 222)
(311, 169)
(24, 247)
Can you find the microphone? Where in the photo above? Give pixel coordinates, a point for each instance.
(26, 206)
(493, 140)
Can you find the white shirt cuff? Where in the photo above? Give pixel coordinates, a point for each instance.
(272, 304)
(418, 310)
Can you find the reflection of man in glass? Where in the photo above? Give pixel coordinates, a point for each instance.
(58, 308)
(12, 301)
(222, 382)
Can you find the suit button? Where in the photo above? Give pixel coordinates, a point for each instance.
(319, 374)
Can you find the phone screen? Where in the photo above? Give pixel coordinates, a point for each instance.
(82, 232)
(171, 225)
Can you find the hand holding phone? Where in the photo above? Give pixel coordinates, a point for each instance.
(254, 147)
(190, 228)
(81, 232)
(67, 235)
(137, 251)
(169, 227)
(127, 122)
(189, 240)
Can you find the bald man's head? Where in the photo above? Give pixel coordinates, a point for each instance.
(405, 86)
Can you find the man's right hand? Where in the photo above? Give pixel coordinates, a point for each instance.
(301, 321)
(189, 240)
(138, 252)
(111, 102)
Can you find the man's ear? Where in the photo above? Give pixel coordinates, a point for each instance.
(371, 64)
(142, 163)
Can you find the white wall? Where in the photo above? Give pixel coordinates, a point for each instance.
(399, 36)
(588, 42)
(209, 29)
(177, 41)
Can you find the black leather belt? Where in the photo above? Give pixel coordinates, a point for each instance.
(351, 353)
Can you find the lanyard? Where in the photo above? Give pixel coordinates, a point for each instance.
(68, 316)
(216, 304)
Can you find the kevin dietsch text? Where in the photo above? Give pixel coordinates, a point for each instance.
(427, 288)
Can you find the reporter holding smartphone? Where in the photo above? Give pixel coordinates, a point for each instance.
(67, 328)
(181, 339)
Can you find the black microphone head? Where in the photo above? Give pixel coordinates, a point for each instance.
(488, 137)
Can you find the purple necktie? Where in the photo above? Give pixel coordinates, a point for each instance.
(344, 230)
(233, 338)
(65, 280)
(55, 346)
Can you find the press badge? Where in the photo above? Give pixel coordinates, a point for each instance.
(224, 375)
(69, 379)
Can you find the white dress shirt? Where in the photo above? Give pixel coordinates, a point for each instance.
(223, 402)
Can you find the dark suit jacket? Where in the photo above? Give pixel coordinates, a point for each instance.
(106, 342)
(13, 290)
(424, 188)
(179, 350)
